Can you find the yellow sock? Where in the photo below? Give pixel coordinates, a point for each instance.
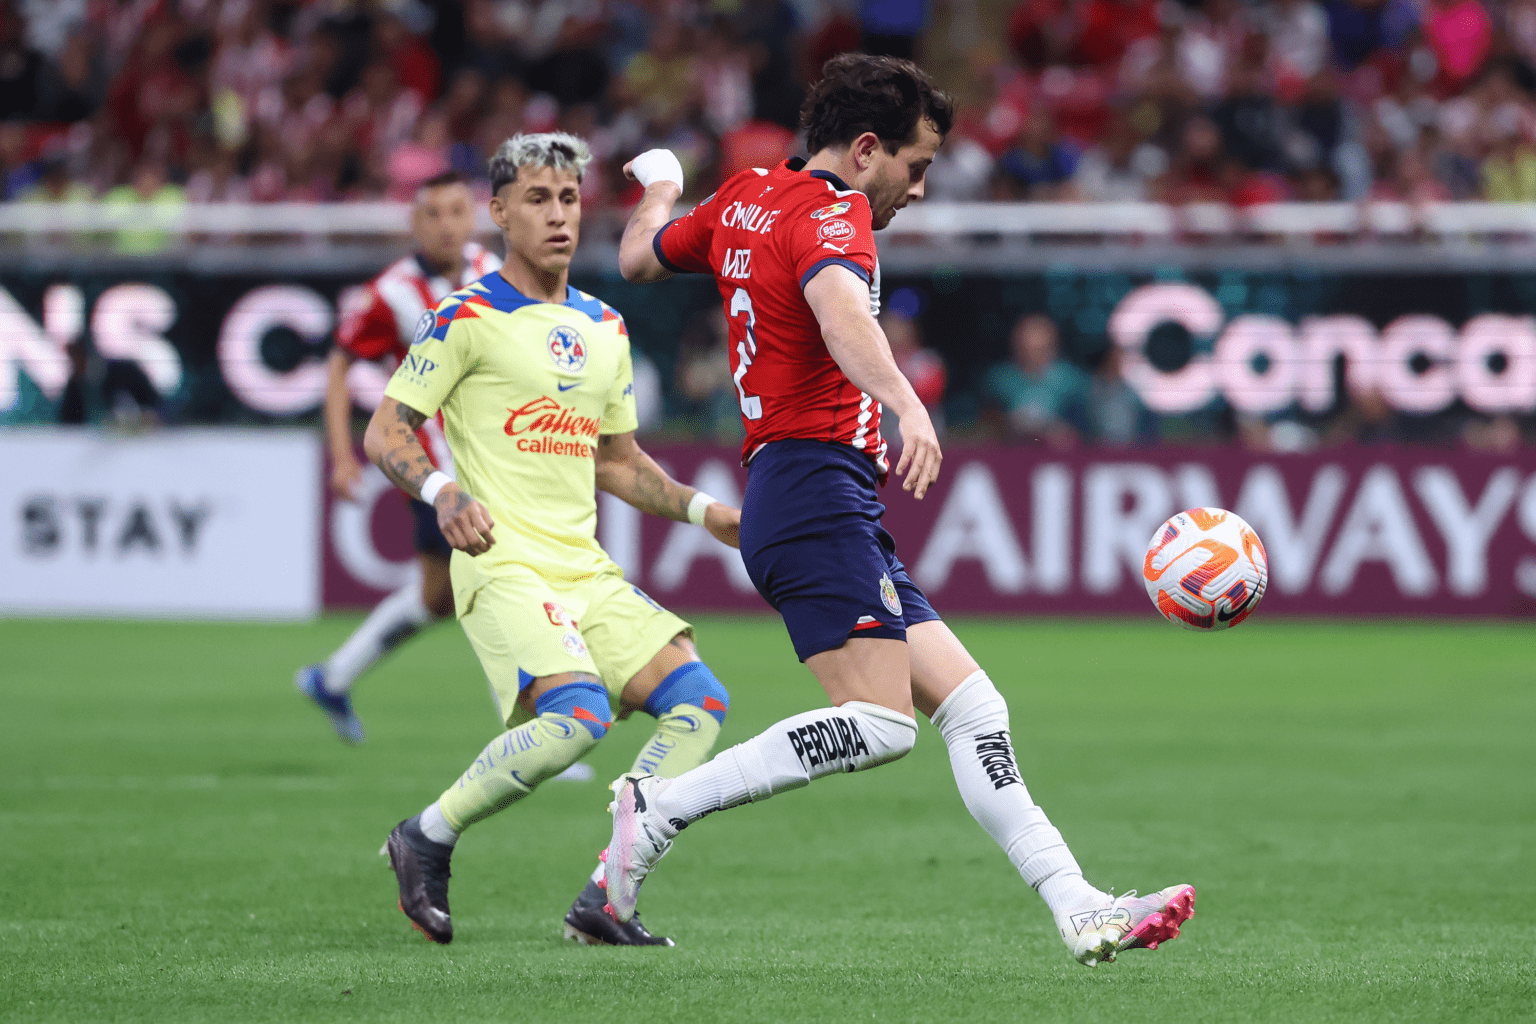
(684, 737)
(512, 765)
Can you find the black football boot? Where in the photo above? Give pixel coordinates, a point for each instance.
(590, 924)
(422, 869)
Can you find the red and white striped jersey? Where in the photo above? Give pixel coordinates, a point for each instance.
(379, 320)
(763, 236)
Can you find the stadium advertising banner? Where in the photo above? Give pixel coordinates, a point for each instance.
(233, 347)
(201, 524)
(1349, 532)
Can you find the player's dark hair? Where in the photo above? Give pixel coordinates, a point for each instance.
(860, 93)
(446, 178)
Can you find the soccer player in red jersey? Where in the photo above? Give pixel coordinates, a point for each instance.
(377, 326)
(793, 251)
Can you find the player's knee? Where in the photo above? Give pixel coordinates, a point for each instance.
(692, 684)
(888, 734)
(586, 702)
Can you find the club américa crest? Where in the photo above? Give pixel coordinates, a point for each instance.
(424, 327)
(567, 348)
(888, 595)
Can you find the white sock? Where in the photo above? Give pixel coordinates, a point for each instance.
(436, 828)
(394, 620)
(789, 755)
(974, 723)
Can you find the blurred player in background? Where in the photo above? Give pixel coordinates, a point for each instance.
(793, 252)
(535, 382)
(378, 327)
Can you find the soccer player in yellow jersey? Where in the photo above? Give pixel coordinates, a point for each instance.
(534, 381)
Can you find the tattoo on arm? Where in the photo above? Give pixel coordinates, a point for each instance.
(643, 484)
(405, 462)
(410, 417)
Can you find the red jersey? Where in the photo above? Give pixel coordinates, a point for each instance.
(763, 236)
(378, 321)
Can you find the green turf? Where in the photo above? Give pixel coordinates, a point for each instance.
(181, 838)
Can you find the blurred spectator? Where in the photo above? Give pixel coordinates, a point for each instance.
(218, 180)
(54, 184)
(72, 85)
(1041, 395)
(1106, 29)
(1509, 170)
(703, 376)
(923, 367)
(1298, 43)
(423, 156)
(1121, 169)
(722, 77)
(148, 188)
(891, 27)
(1116, 415)
(1497, 434)
(1083, 99)
(1197, 172)
(1249, 120)
(1038, 165)
(99, 390)
(1366, 419)
(1192, 57)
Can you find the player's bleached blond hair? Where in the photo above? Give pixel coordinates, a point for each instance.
(560, 150)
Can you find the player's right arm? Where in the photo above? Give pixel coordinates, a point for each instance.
(392, 445)
(840, 300)
(653, 249)
(439, 359)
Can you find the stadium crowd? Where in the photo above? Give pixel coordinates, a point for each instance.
(203, 101)
(1241, 101)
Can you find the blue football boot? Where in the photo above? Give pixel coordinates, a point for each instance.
(310, 681)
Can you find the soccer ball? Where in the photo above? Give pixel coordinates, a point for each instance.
(1206, 569)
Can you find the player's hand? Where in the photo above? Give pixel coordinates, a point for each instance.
(464, 521)
(724, 523)
(654, 166)
(920, 452)
(346, 474)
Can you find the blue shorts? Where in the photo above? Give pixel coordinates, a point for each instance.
(812, 542)
(428, 539)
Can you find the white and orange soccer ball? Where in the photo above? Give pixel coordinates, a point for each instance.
(1206, 569)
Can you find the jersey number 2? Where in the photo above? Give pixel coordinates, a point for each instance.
(751, 405)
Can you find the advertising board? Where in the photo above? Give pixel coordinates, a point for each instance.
(202, 524)
(1355, 531)
(230, 347)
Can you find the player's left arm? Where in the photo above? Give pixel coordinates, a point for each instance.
(627, 472)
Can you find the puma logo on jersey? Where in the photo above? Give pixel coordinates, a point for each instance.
(1102, 918)
(841, 249)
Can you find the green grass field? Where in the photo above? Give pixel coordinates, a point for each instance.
(184, 839)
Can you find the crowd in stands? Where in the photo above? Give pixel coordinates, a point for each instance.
(1241, 101)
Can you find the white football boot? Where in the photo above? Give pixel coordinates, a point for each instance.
(640, 839)
(1097, 931)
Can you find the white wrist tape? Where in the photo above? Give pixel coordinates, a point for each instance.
(696, 507)
(657, 165)
(434, 483)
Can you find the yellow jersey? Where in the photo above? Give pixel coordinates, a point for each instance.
(525, 388)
